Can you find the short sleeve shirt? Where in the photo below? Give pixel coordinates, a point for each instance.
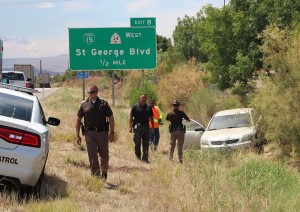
(175, 117)
(94, 114)
(141, 114)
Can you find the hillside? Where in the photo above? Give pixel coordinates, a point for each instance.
(53, 65)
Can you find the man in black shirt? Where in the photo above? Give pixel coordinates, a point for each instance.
(139, 125)
(177, 129)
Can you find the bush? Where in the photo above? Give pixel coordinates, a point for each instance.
(278, 99)
(202, 105)
(179, 84)
(135, 92)
(206, 101)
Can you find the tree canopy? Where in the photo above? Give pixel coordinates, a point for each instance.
(226, 40)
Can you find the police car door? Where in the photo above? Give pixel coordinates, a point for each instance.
(194, 131)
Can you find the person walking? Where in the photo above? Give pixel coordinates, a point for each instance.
(98, 121)
(177, 129)
(139, 118)
(157, 118)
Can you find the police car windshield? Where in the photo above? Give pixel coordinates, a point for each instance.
(15, 107)
(230, 121)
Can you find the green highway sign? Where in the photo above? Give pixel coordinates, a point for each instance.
(112, 48)
(142, 22)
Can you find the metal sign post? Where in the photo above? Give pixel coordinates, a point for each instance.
(83, 85)
(113, 87)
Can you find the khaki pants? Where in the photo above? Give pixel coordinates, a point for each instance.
(97, 143)
(179, 136)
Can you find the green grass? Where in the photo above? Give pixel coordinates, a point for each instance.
(232, 180)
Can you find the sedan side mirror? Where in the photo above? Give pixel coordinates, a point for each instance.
(53, 121)
(200, 129)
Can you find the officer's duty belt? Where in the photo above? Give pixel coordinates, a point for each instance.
(142, 125)
(95, 129)
(177, 129)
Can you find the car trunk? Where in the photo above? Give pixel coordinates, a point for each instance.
(11, 132)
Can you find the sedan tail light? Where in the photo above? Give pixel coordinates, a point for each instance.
(27, 85)
(19, 137)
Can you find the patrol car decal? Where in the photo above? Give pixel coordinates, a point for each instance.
(4, 159)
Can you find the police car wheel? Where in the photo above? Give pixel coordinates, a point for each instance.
(27, 192)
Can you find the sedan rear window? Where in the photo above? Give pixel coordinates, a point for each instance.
(16, 107)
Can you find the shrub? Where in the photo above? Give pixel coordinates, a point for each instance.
(135, 92)
(278, 99)
(179, 84)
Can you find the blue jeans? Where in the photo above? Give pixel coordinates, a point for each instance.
(154, 137)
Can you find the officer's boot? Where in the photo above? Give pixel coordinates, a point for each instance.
(104, 176)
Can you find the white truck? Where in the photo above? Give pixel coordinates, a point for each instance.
(15, 78)
(28, 71)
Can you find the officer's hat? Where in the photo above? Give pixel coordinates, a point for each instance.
(176, 102)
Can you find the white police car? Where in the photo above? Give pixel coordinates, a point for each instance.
(24, 138)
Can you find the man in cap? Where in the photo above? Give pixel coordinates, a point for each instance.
(96, 111)
(177, 129)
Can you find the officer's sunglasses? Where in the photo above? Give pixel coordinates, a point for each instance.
(91, 92)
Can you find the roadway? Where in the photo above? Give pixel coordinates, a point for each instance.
(45, 92)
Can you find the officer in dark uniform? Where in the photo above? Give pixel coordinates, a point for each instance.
(96, 113)
(177, 129)
(140, 115)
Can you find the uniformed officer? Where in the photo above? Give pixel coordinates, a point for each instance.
(96, 113)
(177, 129)
(140, 115)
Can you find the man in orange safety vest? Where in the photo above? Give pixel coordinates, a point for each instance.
(157, 116)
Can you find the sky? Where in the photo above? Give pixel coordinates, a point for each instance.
(39, 28)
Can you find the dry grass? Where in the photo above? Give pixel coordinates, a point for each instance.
(179, 84)
(202, 183)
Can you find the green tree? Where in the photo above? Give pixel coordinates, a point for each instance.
(219, 43)
(279, 98)
(186, 41)
(163, 43)
(228, 38)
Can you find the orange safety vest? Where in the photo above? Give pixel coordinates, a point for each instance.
(157, 114)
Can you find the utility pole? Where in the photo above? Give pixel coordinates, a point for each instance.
(113, 87)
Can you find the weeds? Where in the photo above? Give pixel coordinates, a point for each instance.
(206, 181)
(93, 184)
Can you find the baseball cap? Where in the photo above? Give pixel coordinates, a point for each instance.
(176, 102)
